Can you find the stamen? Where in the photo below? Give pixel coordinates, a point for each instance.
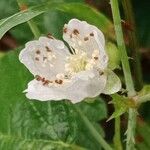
(96, 58)
(91, 34)
(38, 78)
(44, 58)
(75, 31)
(37, 59)
(49, 35)
(86, 39)
(70, 35)
(65, 30)
(48, 49)
(38, 52)
(59, 81)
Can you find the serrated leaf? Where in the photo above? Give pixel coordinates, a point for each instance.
(120, 104)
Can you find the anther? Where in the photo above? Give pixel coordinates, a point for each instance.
(37, 59)
(101, 73)
(86, 39)
(38, 78)
(46, 82)
(49, 35)
(48, 49)
(59, 81)
(38, 52)
(96, 58)
(65, 30)
(75, 31)
(44, 58)
(91, 34)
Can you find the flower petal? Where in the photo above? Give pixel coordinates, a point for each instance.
(85, 37)
(44, 57)
(84, 84)
(113, 84)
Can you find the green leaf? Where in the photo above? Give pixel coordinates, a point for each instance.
(95, 112)
(144, 94)
(77, 10)
(10, 142)
(114, 56)
(120, 104)
(113, 84)
(30, 121)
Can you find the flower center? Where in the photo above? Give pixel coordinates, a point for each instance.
(76, 63)
(80, 62)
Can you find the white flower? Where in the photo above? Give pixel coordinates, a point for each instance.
(75, 73)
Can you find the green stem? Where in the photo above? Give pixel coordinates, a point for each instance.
(117, 139)
(133, 42)
(31, 23)
(93, 131)
(127, 72)
(34, 29)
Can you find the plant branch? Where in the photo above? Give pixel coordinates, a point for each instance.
(133, 42)
(117, 137)
(127, 72)
(93, 131)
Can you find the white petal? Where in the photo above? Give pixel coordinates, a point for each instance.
(84, 84)
(85, 37)
(44, 57)
(113, 84)
(36, 90)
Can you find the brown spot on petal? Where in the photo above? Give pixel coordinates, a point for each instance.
(59, 81)
(86, 39)
(75, 31)
(91, 34)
